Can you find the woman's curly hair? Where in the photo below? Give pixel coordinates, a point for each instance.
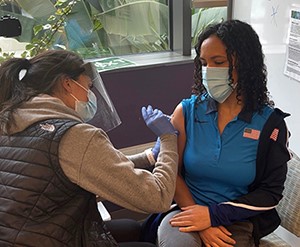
(242, 42)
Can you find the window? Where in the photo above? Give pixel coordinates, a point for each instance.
(202, 17)
(93, 28)
(106, 28)
(187, 22)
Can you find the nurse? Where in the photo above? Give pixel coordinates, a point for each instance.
(53, 163)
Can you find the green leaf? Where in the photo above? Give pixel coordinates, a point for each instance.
(97, 25)
(24, 54)
(60, 3)
(29, 46)
(59, 12)
(52, 18)
(37, 29)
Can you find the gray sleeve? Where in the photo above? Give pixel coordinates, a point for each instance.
(90, 160)
(140, 160)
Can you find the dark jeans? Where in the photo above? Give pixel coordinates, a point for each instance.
(136, 244)
(127, 233)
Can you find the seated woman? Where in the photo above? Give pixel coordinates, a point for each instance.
(232, 146)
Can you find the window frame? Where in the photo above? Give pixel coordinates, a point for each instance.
(180, 21)
(208, 3)
(179, 35)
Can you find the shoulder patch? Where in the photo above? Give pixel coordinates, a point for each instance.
(274, 134)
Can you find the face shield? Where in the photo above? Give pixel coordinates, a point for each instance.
(106, 116)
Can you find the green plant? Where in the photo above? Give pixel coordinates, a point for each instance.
(93, 28)
(100, 28)
(47, 31)
(45, 34)
(203, 17)
(5, 55)
(133, 26)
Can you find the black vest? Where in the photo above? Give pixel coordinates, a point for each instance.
(39, 205)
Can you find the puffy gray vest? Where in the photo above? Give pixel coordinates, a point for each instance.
(39, 205)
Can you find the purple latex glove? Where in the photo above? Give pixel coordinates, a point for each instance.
(158, 122)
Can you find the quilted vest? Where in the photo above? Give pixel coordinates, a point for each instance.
(39, 205)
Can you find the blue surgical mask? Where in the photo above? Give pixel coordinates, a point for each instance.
(86, 110)
(217, 84)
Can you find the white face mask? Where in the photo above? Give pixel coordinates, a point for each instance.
(86, 110)
(216, 82)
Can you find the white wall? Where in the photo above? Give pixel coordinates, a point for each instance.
(286, 94)
(270, 19)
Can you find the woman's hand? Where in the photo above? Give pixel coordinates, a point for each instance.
(216, 236)
(192, 218)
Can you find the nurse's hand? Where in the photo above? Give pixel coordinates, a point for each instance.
(158, 122)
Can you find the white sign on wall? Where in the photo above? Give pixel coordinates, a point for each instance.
(292, 64)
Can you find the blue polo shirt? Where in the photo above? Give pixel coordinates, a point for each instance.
(219, 168)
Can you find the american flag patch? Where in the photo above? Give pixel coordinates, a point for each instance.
(251, 133)
(274, 134)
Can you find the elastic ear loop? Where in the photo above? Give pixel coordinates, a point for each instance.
(78, 84)
(74, 97)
